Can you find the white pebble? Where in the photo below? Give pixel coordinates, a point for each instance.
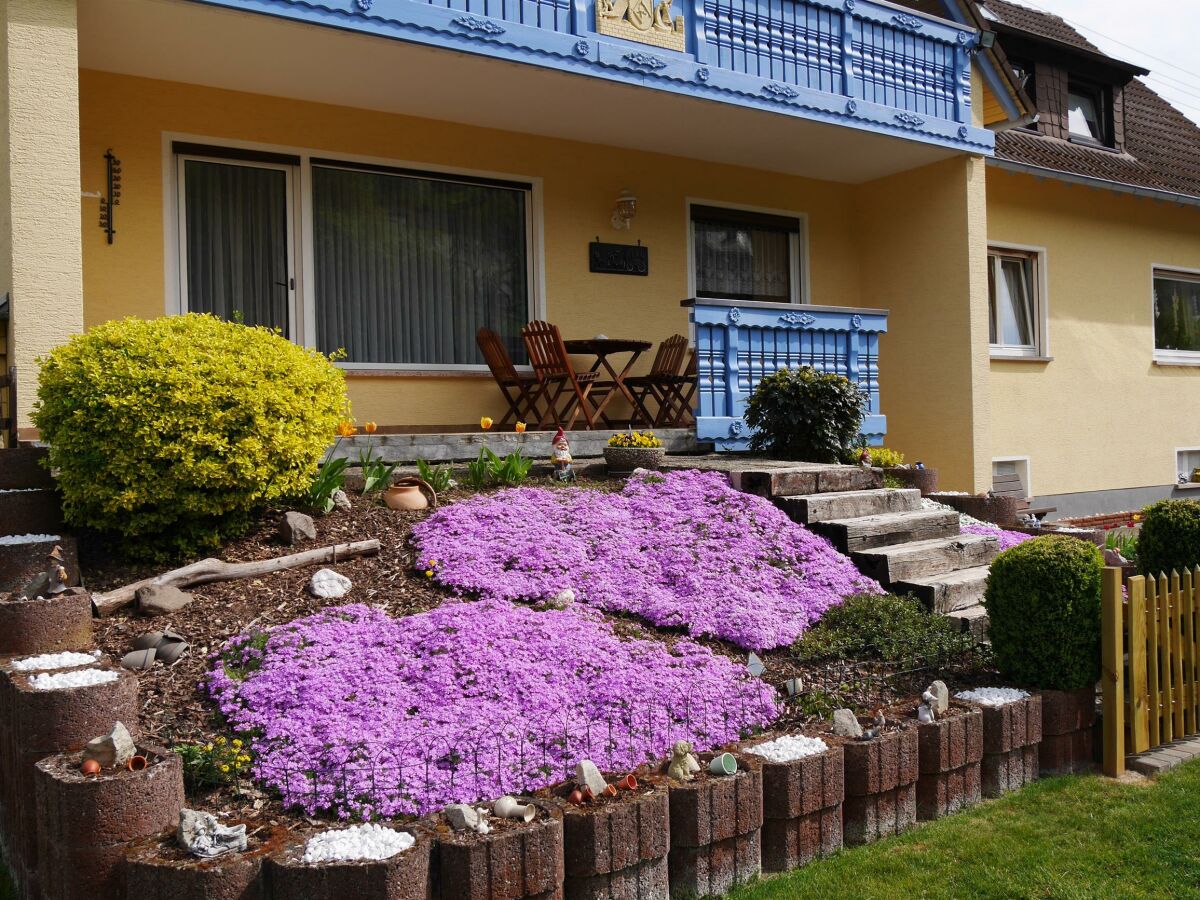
(357, 842)
(28, 539)
(329, 584)
(988, 696)
(65, 660)
(788, 748)
(79, 678)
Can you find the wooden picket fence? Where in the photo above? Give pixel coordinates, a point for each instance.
(1151, 658)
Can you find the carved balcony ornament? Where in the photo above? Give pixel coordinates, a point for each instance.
(364, 5)
(913, 121)
(643, 21)
(735, 315)
(583, 48)
(783, 91)
(802, 319)
(645, 60)
(903, 20)
(476, 23)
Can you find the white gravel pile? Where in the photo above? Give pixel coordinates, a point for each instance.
(963, 518)
(789, 747)
(56, 681)
(10, 539)
(992, 696)
(67, 660)
(357, 842)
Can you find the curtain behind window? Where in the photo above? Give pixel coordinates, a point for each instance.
(1012, 302)
(408, 268)
(237, 253)
(743, 256)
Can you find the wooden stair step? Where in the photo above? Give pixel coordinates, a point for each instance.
(804, 478)
(866, 532)
(948, 592)
(808, 508)
(922, 559)
(973, 619)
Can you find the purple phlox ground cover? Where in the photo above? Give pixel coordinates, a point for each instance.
(352, 712)
(678, 549)
(1008, 539)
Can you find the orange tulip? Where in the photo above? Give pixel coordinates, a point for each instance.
(369, 427)
(520, 427)
(345, 429)
(485, 423)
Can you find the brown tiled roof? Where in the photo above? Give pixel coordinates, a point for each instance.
(1162, 145)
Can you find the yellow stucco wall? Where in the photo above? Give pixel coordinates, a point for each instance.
(1101, 415)
(580, 183)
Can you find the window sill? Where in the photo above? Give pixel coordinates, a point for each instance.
(1020, 357)
(1176, 358)
(1188, 486)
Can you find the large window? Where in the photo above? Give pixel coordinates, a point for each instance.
(408, 267)
(1088, 112)
(1177, 315)
(1014, 302)
(742, 255)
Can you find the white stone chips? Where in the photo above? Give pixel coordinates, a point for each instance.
(357, 842)
(989, 696)
(10, 539)
(55, 681)
(46, 661)
(789, 747)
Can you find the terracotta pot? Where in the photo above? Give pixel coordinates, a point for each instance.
(410, 493)
(628, 783)
(90, 767)
(137, 763)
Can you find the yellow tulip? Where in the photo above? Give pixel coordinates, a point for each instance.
(369, 427)
(520, 427)
(485, 423)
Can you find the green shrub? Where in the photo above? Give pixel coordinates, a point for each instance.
(885, 457)
(889, 628)
(1043, 604)
(1170, 537)
(170, 433)
(805, 415)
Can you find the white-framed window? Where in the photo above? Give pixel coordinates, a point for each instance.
(1014, 465)
(1017, 317)
(738, 253)
(395, 265)
(1176, 316)
(1187, 461)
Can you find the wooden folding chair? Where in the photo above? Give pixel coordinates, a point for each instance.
(558, 378)
(657, 385)
(521, 392)
(677, 411)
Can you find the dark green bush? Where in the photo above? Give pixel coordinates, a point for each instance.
(1170, 537)
(1043, 603)
(889, 628)
(805, 415)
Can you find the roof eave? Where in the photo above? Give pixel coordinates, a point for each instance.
(1119, 187)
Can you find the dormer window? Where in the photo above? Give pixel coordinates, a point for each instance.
(1088, 112)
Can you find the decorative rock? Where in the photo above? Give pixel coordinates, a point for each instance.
(587, 775)
(562, 599)
(462, 817)
(200, 834)
(161, 599)
(114, 749)
(296, 528)
(329, 585)
(942, 695)
(754, 665)
(845, 724)
(139, 659)
(683, 763)
(341, 500)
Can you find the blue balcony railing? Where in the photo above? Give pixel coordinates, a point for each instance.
(863, 63)
(738, 343)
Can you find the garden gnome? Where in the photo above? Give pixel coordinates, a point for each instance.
(683, 763)
(864, 457)
(52, 581)
(561, 457)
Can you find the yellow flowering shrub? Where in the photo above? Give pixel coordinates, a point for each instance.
(170, 433)
(642, 440)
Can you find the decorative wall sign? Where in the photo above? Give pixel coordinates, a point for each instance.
(618, 259)
(641, 20)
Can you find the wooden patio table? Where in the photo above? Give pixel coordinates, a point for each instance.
(602, 349)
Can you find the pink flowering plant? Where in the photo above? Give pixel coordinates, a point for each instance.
(679, 549)
(1008, 539)
(354, 713)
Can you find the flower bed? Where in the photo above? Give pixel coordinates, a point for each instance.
(356, 713)
(1008, 539)
(681, 550)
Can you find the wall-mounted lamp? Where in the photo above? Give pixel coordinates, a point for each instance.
(624, 210)
(987, 40)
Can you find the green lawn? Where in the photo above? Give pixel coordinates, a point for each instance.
(1062, 838)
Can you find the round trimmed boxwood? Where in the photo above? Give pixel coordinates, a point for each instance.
(804, 414)
(170, 433)
(1043, 605)
(1169, 539)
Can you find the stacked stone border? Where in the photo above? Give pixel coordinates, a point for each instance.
(1012, 734)
(881, 785)
(1067, 741)
(950, 750)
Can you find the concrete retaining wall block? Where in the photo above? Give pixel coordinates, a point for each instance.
(404, 876)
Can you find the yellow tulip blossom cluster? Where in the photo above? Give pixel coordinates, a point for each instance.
(640, 440)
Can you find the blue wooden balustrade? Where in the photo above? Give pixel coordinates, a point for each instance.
(739, 342)
(863, 63)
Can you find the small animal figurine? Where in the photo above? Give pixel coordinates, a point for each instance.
(925, 714)
(864, 457)
(683, 764)
(930, 704)
(52, 581)
(561, 457)
(880, 718)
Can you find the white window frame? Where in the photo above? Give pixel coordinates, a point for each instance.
(1170, 357)
(1024, 467)
(1185, 485)
(1040, 349)
(800, 288)
(304, 317)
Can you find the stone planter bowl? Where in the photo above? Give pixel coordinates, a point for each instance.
(623, 460)
(924, 480)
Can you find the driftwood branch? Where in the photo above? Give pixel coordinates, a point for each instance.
(206, 571)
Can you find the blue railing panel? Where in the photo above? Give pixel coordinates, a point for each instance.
(739, 343)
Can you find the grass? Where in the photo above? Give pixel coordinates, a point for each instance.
(1072, 837)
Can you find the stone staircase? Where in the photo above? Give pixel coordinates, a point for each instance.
(907, 549)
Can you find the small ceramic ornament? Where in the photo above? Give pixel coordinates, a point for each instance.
(52, 581)
(754, 665)
(561, 457)
(864, 457)
(925, 714)
(683, 764)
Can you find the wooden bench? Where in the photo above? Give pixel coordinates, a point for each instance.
(1009, 485)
